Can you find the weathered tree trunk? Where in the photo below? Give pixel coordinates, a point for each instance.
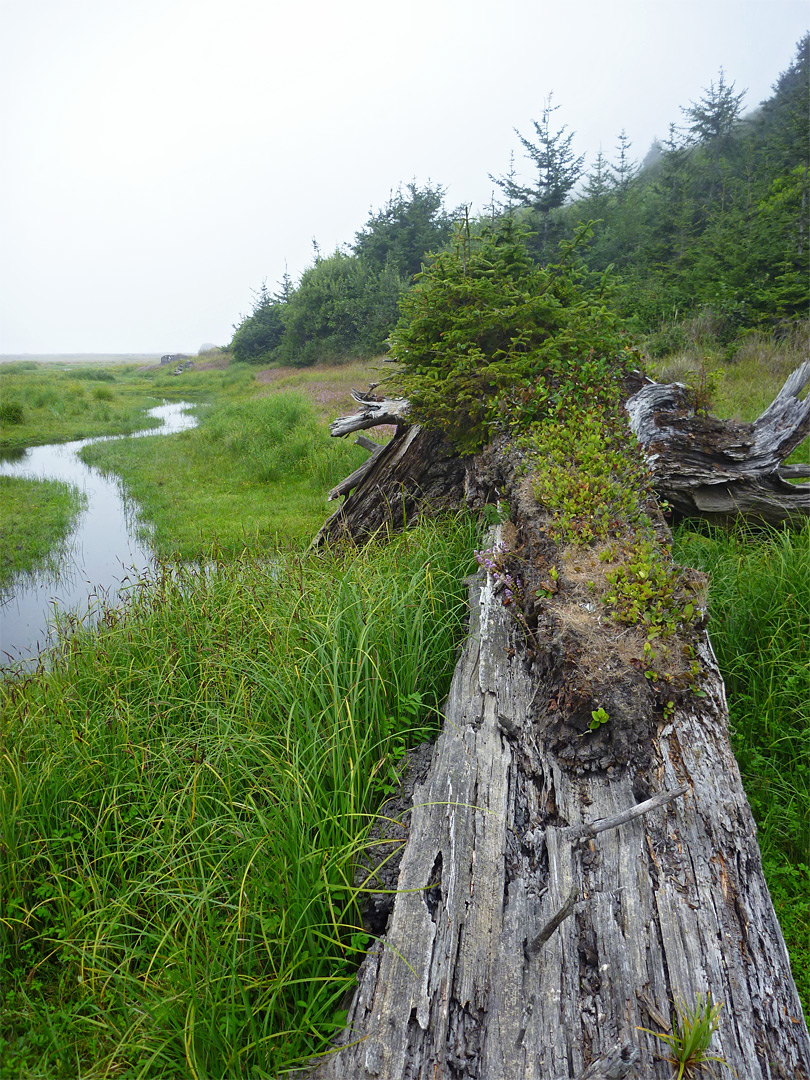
(702, 466)
(561, 886)
(718, 470)
(416, 473)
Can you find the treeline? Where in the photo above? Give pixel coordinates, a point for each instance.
(347, 303)
(714, 224)
(711, 226)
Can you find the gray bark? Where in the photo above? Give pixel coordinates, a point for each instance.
(560, 887)
(718, 469)
(373, 412)
(670, 904)
(416, 473)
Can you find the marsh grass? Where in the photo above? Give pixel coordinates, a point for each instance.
(36, 516)
(49, 403)
(186, 792)
(329, 385)
(692, 1031)
(759, 597)
(204, 382)
(254, 474)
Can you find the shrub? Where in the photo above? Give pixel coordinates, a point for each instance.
(488, 335)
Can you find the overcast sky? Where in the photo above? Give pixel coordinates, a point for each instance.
(162, 158)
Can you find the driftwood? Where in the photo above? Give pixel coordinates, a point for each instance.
(560, 886)
(718, 469)
(668, 905)
(374, 412)
(702, 466)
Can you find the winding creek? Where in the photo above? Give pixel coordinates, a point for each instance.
(102, 556)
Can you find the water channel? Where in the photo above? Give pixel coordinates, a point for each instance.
(103, 555)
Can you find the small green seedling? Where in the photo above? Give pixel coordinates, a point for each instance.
(689, 1040)
(598, 717)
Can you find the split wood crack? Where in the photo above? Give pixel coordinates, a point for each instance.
(585, 831)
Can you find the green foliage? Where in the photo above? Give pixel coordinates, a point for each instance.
(489, 338)
(253, 473)
(648, 589)
(400, 235)
(715, 221)
(588, 473)
(11, 413)
(36, 516)
(487, 335)
(90, 374)
(691, 1036)
(260, 334)
(185, 795)
(598, 717)
(557, 170)
(343, 306)
(716, 114)
(346, 304)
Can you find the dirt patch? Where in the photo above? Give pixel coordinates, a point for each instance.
(217, 363)
(271, 375)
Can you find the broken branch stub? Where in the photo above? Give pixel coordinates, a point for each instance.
(374, 412)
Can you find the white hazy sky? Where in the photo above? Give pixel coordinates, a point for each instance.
(161, 158)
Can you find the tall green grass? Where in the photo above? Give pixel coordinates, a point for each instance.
(48, 403)
(760, 628)
(52, 402)
(253, 474)
(36, 516)
(185, 793)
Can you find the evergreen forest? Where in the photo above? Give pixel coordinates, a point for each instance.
(706, 236)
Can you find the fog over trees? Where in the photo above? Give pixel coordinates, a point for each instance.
(710, 224)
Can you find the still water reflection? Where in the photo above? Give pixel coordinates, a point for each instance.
(101, 557)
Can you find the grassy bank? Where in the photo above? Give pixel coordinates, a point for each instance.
(252, 476)
(184, 798)
(48, 403)
(760, 629)
(35, 518)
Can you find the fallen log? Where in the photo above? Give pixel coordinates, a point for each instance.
(474, 978)
(564, 882)
(703, 467)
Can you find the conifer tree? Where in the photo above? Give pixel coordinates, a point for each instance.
(599, 182)
(716, 113)
(625, 167)
(556, 165)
